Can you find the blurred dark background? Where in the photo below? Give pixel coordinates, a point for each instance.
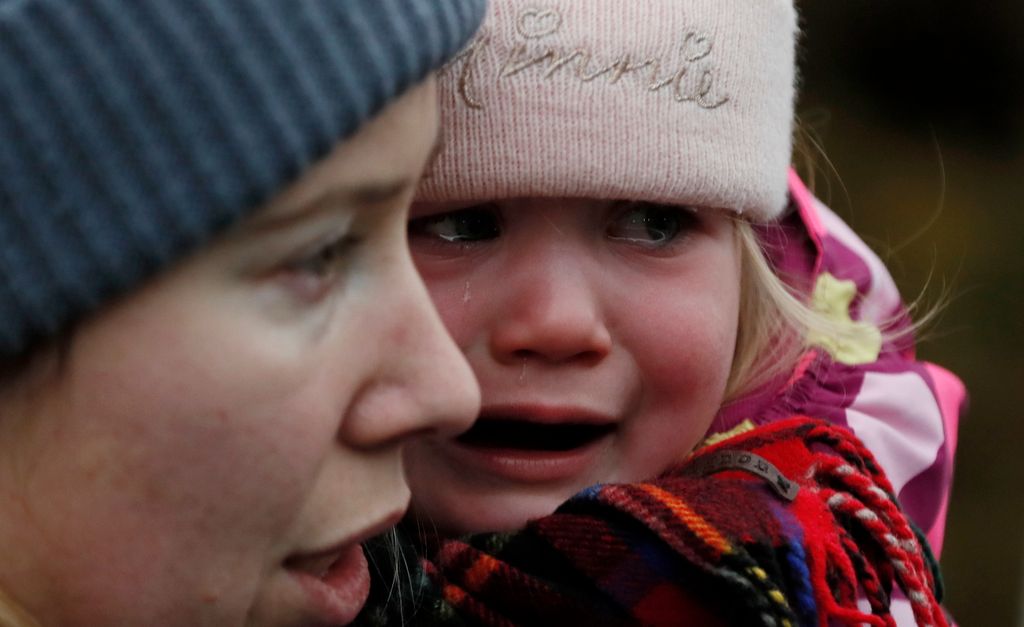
(919, 109)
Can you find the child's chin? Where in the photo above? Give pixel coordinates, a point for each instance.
(492, 512)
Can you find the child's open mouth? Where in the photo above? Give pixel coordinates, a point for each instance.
(523, 435)
(536, 444)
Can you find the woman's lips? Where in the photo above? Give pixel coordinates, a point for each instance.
(336, 580)
(338, 593)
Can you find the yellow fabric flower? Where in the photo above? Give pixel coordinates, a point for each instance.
(851, 342)
(715, 438)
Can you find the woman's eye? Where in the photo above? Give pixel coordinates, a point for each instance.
(651, 225)
(457, 227)
(312, 276)
(323, 263)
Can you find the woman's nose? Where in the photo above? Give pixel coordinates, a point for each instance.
(552, 313)
(423, 385)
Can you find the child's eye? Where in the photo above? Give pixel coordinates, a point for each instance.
(464, 226)
(312, 276)
(651, 225)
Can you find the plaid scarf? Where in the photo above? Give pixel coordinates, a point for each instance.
(788, 524)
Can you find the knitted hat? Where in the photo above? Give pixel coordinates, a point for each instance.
(131, 131)
(676, 101)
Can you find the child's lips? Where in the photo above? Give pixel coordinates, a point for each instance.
(534, 444)
(516, 434)
(544, 413)
(526, 466)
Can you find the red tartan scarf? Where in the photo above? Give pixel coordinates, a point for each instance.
(788, 524)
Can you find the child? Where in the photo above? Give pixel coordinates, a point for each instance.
(213, 341)
(612, 238)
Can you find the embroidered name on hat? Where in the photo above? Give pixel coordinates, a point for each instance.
(741, 460)
(688, 72)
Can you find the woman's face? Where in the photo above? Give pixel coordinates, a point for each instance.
(214, 447)
(602, 334)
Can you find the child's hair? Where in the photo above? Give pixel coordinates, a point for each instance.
(778, 322)
(774, 322)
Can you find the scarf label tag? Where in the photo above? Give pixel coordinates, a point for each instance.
(749, 462)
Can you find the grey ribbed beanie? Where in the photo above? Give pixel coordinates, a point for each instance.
(131, 131)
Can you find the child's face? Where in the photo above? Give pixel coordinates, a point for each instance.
(602, 336)
(216, 444)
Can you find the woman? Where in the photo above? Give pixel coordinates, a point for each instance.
(214, 341)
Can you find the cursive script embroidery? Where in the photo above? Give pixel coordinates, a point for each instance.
(688, 73)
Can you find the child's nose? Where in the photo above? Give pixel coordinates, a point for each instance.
(552, 314)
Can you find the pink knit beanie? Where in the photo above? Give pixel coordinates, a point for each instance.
(677, 101)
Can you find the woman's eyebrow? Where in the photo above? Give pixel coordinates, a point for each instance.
(362, 194)
(376, 192)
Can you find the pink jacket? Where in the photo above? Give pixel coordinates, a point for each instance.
(906, 411)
